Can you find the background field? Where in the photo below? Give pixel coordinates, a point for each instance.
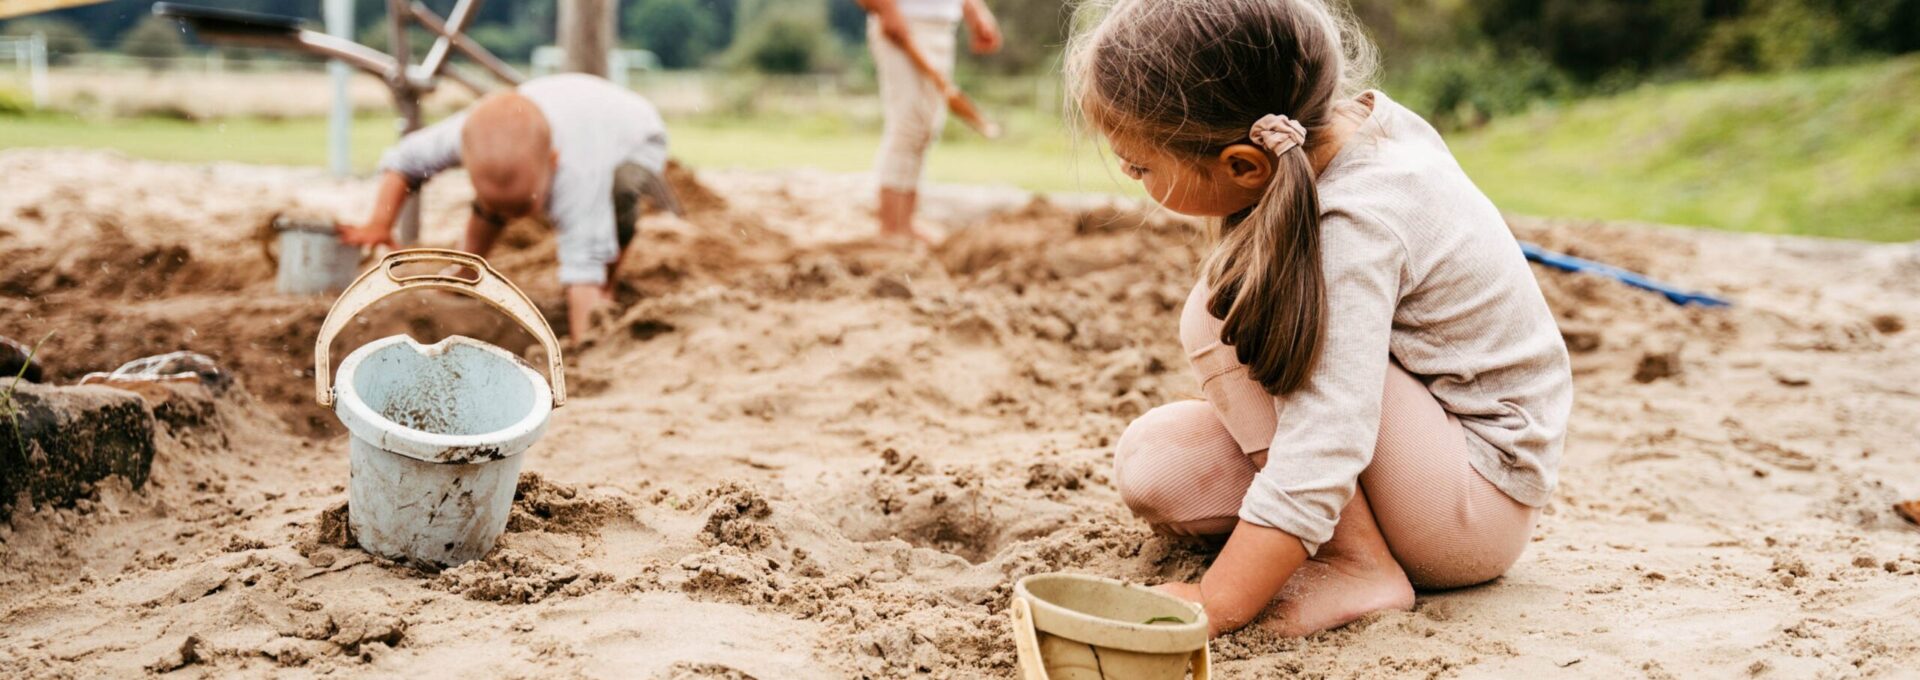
(1776, 116)
(1832, 152)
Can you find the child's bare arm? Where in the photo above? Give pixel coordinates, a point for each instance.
(378, 229)
(1253, 566)
(1249, 572)
(985, 29)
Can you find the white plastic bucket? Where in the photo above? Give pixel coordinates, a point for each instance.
(437, 430)
(311, 259)
(1075, 627)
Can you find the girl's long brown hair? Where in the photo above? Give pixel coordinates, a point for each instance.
(1191, 77)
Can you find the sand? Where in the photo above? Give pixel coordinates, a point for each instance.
(792, 454)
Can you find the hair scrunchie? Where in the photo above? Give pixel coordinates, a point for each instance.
(1278, 133)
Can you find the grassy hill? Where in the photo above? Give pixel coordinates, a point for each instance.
(1827, 153)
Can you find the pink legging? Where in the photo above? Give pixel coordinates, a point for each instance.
(1184, 467)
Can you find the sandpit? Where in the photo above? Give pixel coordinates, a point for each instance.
(792, 454)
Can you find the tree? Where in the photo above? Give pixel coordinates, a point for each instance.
(680, 32)
(64, 38)
(1034, 33)
(513, 42)
(1591, 39)
(154, 39)
(848, 20)
(376, 34)
(782, 41)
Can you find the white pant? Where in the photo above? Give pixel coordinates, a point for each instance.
(914, 109)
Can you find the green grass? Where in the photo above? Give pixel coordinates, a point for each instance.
(245, 140)
(1828, 153)
(1035, 154)
(1832, 153)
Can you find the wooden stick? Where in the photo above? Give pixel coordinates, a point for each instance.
(957, 101)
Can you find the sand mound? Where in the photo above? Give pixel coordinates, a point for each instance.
(797, 454)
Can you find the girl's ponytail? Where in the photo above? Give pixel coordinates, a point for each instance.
(1188, 77)
(1266, 276)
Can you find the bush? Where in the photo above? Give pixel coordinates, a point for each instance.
(785, 42)
(1591, 39)
(1884, 26)
(680, 32)
(1468, 88)
(374, 35)
(513, 43)
(155, 39)
(14, 102)
(1773, 35)
(1033, 32)
(64, 38)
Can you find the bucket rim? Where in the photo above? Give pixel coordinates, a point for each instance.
(366, 423)
(1054, 619)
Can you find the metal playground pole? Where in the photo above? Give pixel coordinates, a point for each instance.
(340, 119)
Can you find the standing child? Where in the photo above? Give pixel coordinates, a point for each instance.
(1386, 391)
(912, 44)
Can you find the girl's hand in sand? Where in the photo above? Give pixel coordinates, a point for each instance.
(370, 235)
(1190, 592)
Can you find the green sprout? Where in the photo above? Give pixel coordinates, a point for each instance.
(7, 407)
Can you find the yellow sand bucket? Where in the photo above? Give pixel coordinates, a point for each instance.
(1075, 627)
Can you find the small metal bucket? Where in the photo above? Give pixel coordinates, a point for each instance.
(311, 260)
(437, 430)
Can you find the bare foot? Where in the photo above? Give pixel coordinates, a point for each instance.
(1334, 589)
(909, 237)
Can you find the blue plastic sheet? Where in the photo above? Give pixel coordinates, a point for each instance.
(1565, 262)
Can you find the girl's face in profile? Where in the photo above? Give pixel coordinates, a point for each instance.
(1212, 187)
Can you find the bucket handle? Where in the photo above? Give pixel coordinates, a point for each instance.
(1027, 647)
(381, 282)
(1026, 642)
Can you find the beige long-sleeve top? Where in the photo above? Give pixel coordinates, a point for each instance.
(1420, 268)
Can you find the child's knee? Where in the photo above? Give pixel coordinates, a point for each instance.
(1149, 460)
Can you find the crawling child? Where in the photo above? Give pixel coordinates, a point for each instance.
(1386, 391)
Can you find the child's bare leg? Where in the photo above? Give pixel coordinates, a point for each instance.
(896, 215)
(1353, 575)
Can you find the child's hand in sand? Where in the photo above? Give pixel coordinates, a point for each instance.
(1191, 593)
(368, 235)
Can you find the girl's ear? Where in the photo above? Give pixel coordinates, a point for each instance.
(1246, 165)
